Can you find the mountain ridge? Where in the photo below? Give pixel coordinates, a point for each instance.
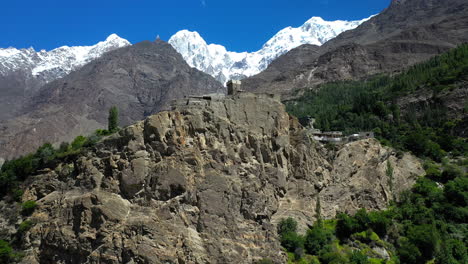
(140, 79)
(24, 71)
(405, 33)
(224, 65)
(58, 62)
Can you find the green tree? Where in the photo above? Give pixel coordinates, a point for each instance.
(389, 173)
(287, 225)
(316, 239)
(292, 241)
(408, 252)
(318, 211)
(357, 257)
(113, 120)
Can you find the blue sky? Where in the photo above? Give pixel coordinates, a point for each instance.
(240, 25)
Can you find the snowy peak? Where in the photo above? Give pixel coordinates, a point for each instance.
(50, 65)
(224, 65)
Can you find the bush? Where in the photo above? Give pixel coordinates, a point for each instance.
(426, 238)
(265, 261)
(450, 173)
(316, 239)
(46, 153)
(453, 251)
(17, 194)
(6, 252)
(346, 226)
(25, 226)
(291, 241)
(28, 207)
(333, 257)
(78, 142)
(357, 257)
(408, 252)
(287, 225)
(456, 191)
(380, 222)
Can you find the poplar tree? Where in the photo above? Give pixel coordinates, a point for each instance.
(113, 121)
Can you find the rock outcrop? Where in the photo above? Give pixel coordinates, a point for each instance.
(205, 183)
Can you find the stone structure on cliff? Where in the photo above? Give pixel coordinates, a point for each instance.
(204, 184)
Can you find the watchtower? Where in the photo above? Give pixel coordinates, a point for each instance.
(233, 87)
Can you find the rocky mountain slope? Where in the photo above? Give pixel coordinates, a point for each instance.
(204, 183)
(225, 65)
(139, 80)
(24, 71)
(407, 32)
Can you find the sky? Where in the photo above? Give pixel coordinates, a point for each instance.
(239, 25)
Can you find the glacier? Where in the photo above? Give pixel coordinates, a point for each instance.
(50, 65)
(225, 65)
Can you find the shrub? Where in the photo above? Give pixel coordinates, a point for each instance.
(28, 207)
(291, 241)
(17, 194)
(456, 191)
(64, 147)
(408, 252)
(345, 226)
(78, 142)
(453, 251)
(426, 238)
(102, 132)
(380, 222)
(45, 154)
(333, 257)
(6, 252)
(287, 225)
(265, 261)
(25, 226)
(450, 173)
(357, 257)
(316, 239)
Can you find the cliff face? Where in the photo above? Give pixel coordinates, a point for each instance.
(204, 183)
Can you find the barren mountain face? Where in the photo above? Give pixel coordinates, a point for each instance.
(407, 32)
(140, 80)
(24, 71)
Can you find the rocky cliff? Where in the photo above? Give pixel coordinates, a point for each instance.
(205, 183)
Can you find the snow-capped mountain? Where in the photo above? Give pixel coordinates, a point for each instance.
(51, 65)
(45, 66)
(224, 65)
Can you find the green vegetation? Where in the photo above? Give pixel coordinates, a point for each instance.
(25, 226)
(265, 261)
(15, 171)
(113, 120)
(28, 207)
(427, 224)
(371, 105)
(7, 254)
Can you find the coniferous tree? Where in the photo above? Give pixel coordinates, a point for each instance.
(113, 121)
